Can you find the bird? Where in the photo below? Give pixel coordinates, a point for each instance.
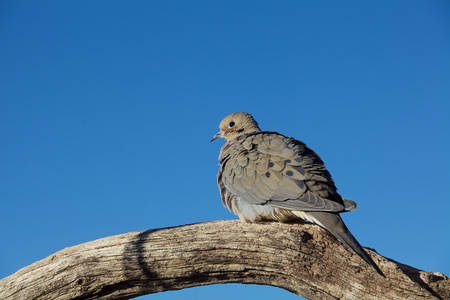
(266, 176)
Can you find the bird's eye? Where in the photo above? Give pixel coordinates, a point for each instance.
(231, 124)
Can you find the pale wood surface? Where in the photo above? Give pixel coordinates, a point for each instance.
(301, 258)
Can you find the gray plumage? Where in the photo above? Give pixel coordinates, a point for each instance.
(268, 176)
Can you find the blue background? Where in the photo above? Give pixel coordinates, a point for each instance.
(107, 109)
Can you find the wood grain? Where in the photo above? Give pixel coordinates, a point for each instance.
(301, 258)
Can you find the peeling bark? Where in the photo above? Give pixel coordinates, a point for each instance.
(301, 258)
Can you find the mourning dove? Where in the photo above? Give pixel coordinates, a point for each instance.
(266, 176)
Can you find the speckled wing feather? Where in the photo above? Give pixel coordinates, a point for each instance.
(269, 168)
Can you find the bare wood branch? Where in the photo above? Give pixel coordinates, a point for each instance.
(301, 258)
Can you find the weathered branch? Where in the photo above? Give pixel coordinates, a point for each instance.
(301, 258)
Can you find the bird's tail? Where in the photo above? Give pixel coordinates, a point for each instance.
(334, 224)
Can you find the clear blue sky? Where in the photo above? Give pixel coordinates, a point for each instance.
(107, 109)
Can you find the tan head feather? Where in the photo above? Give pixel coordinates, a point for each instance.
(235, 125)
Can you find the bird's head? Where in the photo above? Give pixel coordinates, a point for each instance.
(235, 125)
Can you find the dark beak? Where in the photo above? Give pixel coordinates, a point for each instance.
(218, 135)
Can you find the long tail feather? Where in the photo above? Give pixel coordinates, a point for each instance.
(334, 224)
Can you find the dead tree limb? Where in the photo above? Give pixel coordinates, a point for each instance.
(301, 258)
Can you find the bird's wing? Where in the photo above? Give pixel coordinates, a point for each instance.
(264, 169)
(350, 205)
